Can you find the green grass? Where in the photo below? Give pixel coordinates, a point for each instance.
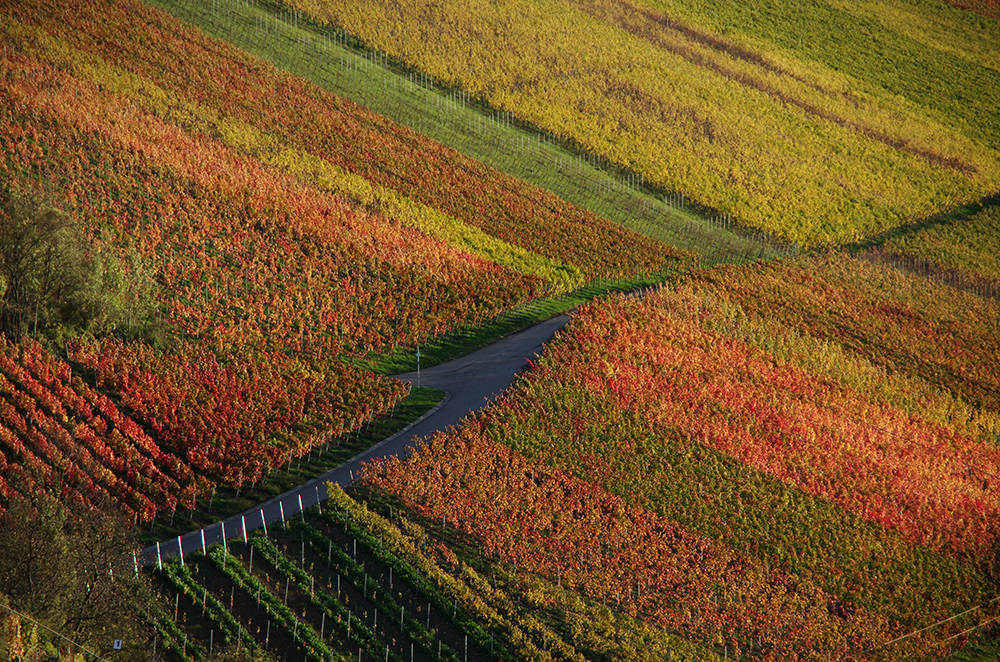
(336, 62)
(228, 501)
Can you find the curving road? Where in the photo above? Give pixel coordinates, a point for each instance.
(469, 383)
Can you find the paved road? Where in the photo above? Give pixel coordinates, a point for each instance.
(469, 382)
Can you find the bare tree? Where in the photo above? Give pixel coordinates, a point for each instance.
(74, 572)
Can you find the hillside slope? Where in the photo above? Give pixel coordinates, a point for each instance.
(822, 125)
(792, 461)
(285, 227)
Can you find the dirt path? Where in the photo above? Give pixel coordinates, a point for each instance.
(469, 383)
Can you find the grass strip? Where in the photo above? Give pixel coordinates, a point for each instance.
(180, 577)
(464, 341)
(173, 638)
(355, 573)
(354, 626)
(472, 598)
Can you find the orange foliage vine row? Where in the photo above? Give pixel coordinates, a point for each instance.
(743, 431)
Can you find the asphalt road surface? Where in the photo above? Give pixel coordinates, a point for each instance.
(469, 382)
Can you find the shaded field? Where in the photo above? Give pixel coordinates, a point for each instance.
(964, 251)
(349, 583)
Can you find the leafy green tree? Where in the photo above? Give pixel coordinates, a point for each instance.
(55, 283)
(42, 265)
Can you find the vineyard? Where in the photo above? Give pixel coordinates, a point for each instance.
(57, 432)
(836, 492)
(284, 237)
(840, 146)
(207, 425)
(770, 431)
(344, 582)
(336, 61)
(966, 251)
(314, 132)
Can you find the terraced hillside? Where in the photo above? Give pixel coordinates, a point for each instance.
(346, 582)
(339, 62)
(766, 453)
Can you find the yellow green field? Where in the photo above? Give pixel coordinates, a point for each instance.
(967, 246)
(822, 124)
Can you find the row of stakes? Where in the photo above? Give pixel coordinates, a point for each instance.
(243, 521)
(267, 634)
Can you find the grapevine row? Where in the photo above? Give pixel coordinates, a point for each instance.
(315, 648)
